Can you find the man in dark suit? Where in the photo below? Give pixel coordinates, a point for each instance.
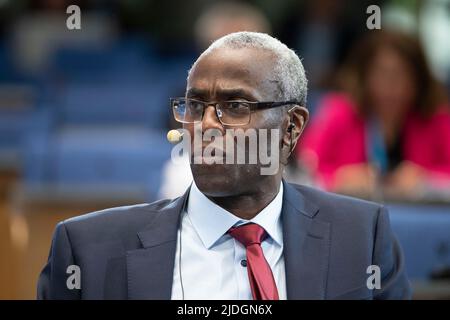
(236, 233)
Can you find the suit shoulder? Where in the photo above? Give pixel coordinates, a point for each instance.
(350, 218)
(117, 218)
(339, 204)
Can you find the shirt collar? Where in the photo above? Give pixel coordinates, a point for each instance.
(212, 221)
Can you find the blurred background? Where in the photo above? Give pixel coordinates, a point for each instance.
(84, 113)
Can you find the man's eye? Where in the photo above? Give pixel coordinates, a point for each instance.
(194, 105)
(237, 104)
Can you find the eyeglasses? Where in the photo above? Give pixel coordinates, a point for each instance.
(229, 113)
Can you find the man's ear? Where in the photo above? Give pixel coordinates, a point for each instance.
(298, 118)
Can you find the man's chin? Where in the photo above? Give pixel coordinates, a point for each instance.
(214, 181)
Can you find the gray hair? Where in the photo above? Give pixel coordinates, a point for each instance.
(288, 69)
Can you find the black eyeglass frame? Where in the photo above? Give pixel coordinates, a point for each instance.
(252, 105)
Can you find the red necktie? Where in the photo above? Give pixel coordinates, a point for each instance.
(260, 275)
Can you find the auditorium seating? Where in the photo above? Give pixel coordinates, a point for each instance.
(424, 233)
(98, 159)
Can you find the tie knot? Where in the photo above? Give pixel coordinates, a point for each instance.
(248, 234)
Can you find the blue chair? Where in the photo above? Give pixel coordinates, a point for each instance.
(129, 59)
(99, 159)
(138, 104)
(16, 124)
(424, 233)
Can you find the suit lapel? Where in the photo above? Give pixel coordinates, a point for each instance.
(306, 247)
(150, 268)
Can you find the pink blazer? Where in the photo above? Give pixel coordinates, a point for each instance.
(336, 137)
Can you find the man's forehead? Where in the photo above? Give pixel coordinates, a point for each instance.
(232, 68)
(241, 61)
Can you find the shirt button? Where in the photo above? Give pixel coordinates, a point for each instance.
(244, 263)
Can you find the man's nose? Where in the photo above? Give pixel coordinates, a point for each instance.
(210, 120)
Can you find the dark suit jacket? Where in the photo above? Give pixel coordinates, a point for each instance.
(129, 252)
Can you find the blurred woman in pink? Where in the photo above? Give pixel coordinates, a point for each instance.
(389, 126)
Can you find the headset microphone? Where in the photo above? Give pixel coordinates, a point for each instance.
(174, 136)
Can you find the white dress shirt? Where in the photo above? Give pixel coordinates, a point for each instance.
(209, 263)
